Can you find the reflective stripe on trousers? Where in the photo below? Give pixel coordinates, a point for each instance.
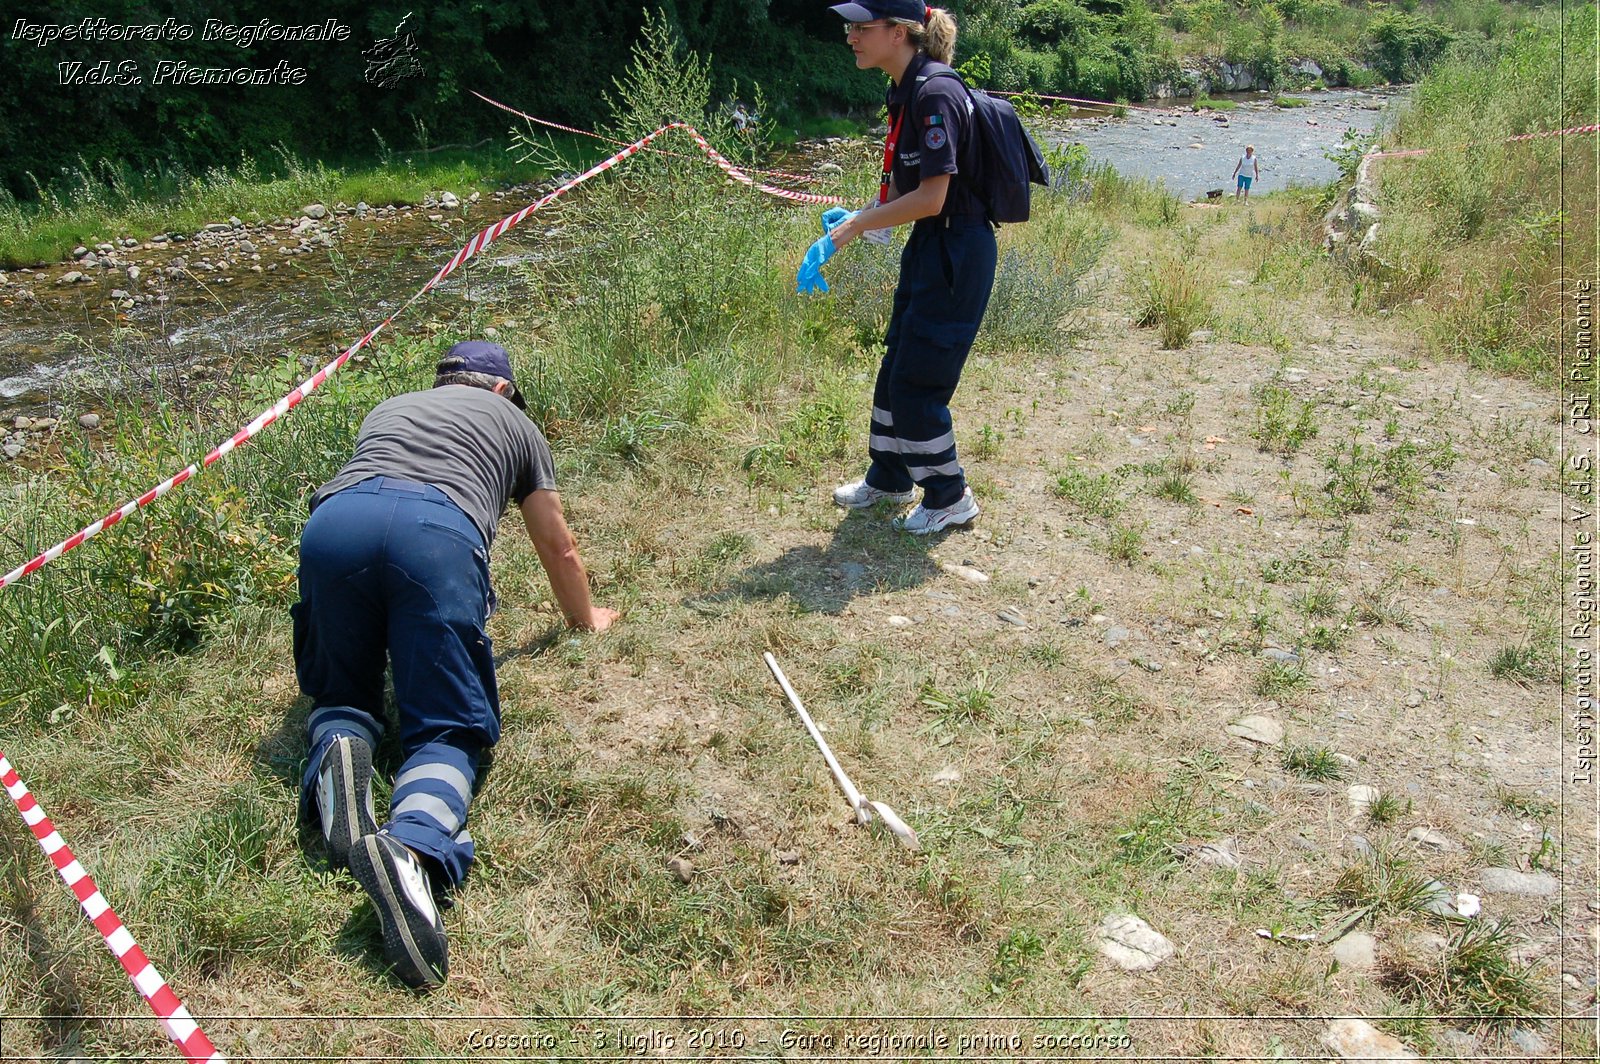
(946, 276)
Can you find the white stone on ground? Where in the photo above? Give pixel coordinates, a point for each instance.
(1358, 1040)
(1511, 881)
(1257, 729)
(1133, 944)
(1361, 797)
(1357, 950)
(966, 572)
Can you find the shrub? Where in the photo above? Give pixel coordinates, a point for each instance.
(1402, 46)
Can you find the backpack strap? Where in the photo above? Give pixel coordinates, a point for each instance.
(945, 71)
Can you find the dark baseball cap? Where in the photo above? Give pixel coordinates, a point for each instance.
(867, 10)
(481, 356)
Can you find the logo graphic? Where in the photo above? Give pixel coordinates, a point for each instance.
(392, 59)
(935, 138)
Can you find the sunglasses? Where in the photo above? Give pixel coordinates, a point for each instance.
(853, 28)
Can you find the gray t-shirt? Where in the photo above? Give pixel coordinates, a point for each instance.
(470, 443)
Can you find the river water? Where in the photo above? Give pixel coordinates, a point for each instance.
(1194, 152)
(241, 299)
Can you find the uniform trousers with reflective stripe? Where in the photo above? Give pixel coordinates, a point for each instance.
(392, 567)
(946, 275)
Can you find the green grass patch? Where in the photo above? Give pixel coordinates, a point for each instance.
(1096, 494)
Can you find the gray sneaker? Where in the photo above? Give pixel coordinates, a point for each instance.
(921, 521)
(858, 495)
(401, 892)
(344, 796)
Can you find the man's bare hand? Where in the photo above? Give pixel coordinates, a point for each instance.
(600, 619)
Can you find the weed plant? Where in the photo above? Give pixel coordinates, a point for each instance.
(1477, 979)
(1171, 293)
(1312, 763)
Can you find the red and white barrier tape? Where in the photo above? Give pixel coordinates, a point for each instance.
(174, 1017)
(806, 179)
(1571, 131)
(705, 146)
(288, 402)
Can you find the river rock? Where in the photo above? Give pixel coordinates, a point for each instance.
(1364, 214)
(1361, 797)
(1133, 944)
(448, 201)
(218, 227)
(1529, 1042)
(967, 573)
(1357, 950)
(314, 210)
(133, 273)
(1115, 635)
(1359, 1041)
(247, 247)
(1257, 729)
(1224, 853)
(105, 246)
(1511, 881)
(1283, 657)
(681, 868)
(71, 277)
(1433, 840)
(12, 448)
(79, 252)
(89, 262)
(89, 421)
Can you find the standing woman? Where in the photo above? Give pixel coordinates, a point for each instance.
(946, 270)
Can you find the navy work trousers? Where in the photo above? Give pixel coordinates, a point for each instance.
(391, 566)
(946, 275)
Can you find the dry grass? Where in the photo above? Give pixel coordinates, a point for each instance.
(1052, 772)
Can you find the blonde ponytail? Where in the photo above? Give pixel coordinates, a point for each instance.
(937, 37)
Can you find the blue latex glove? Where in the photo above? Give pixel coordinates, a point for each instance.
(833, 216)
(809, 278)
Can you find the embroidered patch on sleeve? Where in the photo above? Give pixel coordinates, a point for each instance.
(935, 138)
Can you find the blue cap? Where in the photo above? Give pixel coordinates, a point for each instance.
(481, 356)
(867, 10)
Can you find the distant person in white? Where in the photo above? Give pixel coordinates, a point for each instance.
(1247, 171)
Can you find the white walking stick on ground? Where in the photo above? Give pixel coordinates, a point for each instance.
(865, 810)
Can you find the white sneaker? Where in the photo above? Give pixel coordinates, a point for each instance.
(858, 495)
(344, 796)
(922, 521)
(413, 934)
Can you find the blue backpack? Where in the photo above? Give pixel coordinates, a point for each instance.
(1009, 161)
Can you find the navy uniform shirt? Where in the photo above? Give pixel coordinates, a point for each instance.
(937, 137)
